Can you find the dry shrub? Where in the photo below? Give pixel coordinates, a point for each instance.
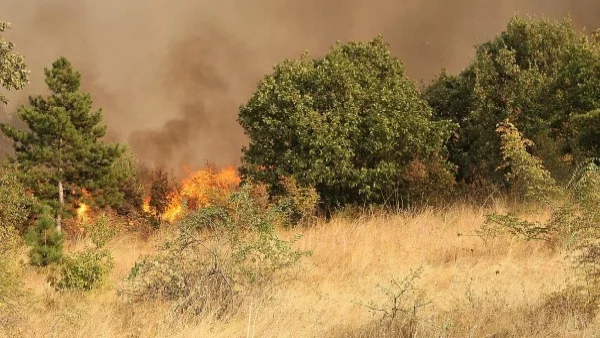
(221, 256)
(398, 314)
(298, 203)
(427, 182)
(377, 329)
(89, 268)
(573, 225)
(570, 303)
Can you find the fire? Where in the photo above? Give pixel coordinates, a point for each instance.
(198, 189)
(82, 210)
(146, 205)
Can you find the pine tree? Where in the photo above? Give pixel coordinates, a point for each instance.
(62, 149)
(46, 242)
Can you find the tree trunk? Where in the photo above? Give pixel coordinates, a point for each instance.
(61, 200)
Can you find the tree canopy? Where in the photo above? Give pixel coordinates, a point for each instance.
(62, 149)
(350, 124)
(539, 74)
(13, 71)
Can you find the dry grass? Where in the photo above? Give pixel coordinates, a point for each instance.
(475, 290)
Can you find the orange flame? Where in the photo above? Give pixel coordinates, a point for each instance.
(82, 210)
(197, 191)
(146, 205)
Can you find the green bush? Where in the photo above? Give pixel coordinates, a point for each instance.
(100, 232)
(221, 255)
(525, 174)
(45, 241)
(348, 124)
(85, 271)
(90, 268)
(124, 184)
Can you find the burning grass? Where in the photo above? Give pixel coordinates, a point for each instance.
(472, 289)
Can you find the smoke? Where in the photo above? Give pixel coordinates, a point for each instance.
(170, 75)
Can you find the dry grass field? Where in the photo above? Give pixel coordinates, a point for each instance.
(471, 288)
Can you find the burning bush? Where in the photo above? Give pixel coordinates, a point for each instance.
(222, 254)
(200, 188)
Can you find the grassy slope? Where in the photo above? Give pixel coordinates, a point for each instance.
(475, 290)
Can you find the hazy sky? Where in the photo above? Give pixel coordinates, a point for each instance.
(171, 74)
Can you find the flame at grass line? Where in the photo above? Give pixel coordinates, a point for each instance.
(82, 210)
(197, 190)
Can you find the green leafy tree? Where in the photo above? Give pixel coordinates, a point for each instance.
(537, 73)
(62, 152)
(348, 124)
(13, 71)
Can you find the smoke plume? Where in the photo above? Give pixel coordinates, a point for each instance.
(170, 75)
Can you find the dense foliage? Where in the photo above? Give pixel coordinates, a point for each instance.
(46, 242)
(61, 152)
(13, 71)
(540, 74)
(525, 174)
(350, 124)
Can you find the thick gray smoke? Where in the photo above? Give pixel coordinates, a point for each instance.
(171, 74)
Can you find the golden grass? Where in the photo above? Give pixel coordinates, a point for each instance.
(475, 290)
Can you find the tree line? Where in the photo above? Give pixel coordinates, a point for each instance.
(350, 125)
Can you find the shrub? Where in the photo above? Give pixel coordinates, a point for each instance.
(221, 255)
(299, 203)
(347, 124)
(90, 268)
(496, 225)
(399, 313)
(9, 238)
(85, 271)
(126, 171)
(16, 205)
(526, 176)
(100, 231)
(45, 241)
